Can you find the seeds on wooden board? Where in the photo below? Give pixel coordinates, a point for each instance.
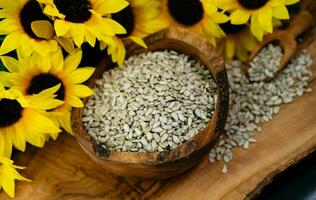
(150, 103)
(252, 103)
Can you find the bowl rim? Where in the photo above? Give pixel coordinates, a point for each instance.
(206, 137)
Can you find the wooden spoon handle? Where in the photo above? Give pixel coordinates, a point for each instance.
(300, 23)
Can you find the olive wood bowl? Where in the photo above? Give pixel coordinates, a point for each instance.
(165, 164)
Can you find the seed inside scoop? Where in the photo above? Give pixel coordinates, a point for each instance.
(266, 63)
(155, 102)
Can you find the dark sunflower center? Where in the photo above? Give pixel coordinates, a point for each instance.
(29, 13)
(76, 11)
(45, 81)
(10, 112)
(229, 28)
(127, 19)
(252, 4)
(186, 12)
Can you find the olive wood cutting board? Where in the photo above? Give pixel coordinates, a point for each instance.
(61, 170)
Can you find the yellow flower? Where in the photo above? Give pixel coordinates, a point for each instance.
(8, 175)
(200, 16)
(33, 75)
(85, 20)
(22, 119)
(27, 28)
(238, 41)
(139, 19)
(259, 12)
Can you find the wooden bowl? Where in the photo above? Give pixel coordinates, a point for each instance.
(160, 165)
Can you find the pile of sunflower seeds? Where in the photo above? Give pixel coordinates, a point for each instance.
(155, 102)
(254, 103)
(265, 64)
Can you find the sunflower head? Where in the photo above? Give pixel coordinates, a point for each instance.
(33, 75)
(22, 118)
(200, 16)
(260, 13)
(26, 27)
(85, 20)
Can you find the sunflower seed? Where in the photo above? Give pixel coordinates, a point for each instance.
(148, 104)
(252, 103)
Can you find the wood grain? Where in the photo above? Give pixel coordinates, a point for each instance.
(62, 171)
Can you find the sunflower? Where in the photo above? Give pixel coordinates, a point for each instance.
(27, 28)
(85, 20)
(33, 77)
(238, 41)
(8, 175)
(260, 13)
(200, 16)
(22, 119)
(139, 18)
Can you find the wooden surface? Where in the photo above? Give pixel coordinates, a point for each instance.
(164, 164)
(62, 171)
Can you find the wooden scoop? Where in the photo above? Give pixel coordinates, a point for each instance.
(286, 39)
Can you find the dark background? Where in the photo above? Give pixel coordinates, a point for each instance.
(295, 183)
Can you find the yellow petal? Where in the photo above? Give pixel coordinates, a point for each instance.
(42, 48)
(65, 122)
(265, 19)
(66, 43)
(290, 2)
(51, 11)
(82, 91)
(78, 34)
(72, 61)
(91, 39)
(8, 185)
(75, 102)
(61, 27)
(241, 53)
(249, 42)
(9, 43)
(111, 6)
(43, 29)
(139, 41)
(82, 74)
(10, 63)
(256, 29)
(19, 139)
(230, 48)
(7, 26)
(5, 79)
(116, 27)
(41, 125)
(44, 100)
(280, 12)
(121, 52)
(239, 17)
(58, 61)
(220, 18)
